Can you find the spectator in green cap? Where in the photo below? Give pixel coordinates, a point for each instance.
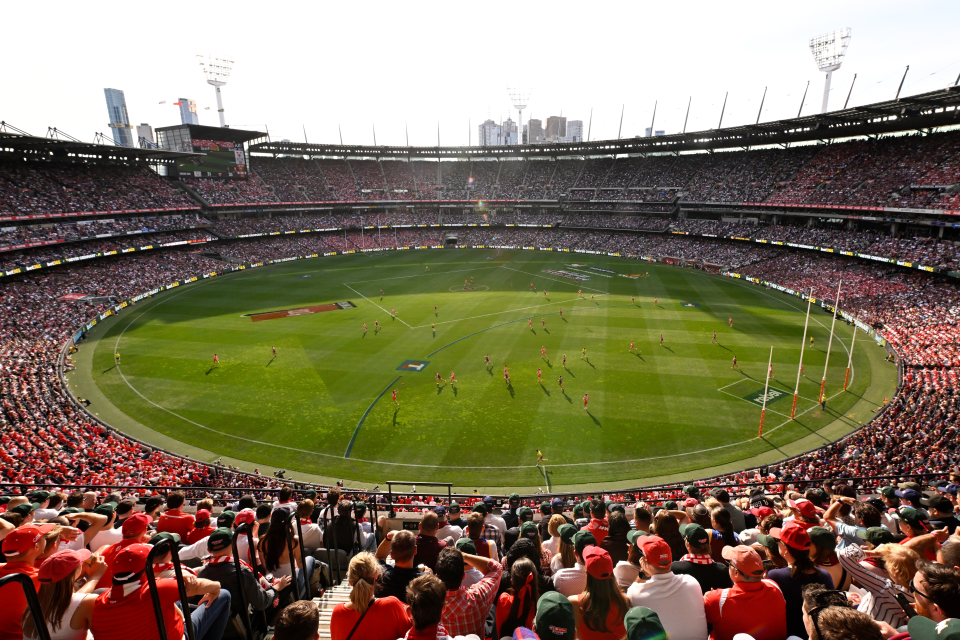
(529, 531)
(471, 576)
(554, 619)
(453, 516)
(643, 624)
(823, 545)
(583, 519)
(570, 582)
(524, 514)
(108, 534)
(566, 555)
(698, 562)
(509, 515)
(162, 565)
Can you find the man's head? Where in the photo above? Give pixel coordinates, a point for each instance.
(450, 568)
(454, 510)
(514, 500)
(220, 542)
(598, 509)
(153, 504)
(940, 507)
(657, 557)
(936, 589)
(425, 596)
(643, 624)
(744, 563)
(441, 512)
(429, 524)
(26, 543)
(911, 522)
(721, 495)
(175, 500)
(556, 505)
(285, 493)
(403, 548)
(298, 621)
(696, 539)
(333, 496)
(911, 497)
(305, 509)
(125, 509)
(135, 527)
(581, 540)
(554, 619)
(474, 524)
(525, 514)
(75, 499)
(642, 517)
(89, 500)
(866, 514)
(164, 540)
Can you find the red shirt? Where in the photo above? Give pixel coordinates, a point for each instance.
(196, 535)
(176, 521)
(133, 615)
(599, 528)
(387, 619)
(504, 604)
(754, 608)
(107, 580)
(14, 602)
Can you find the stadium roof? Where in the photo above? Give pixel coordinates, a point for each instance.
(62, 145)
(223, 134)
(920, 112)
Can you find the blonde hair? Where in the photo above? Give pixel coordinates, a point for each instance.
(362, 576)
(556, 521)
(900, 562)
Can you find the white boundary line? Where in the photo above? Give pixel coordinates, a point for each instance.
(432, 466)
(375, 304)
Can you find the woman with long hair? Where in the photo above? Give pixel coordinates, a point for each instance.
(66, 609)
(892, 571)
(823, 544)
(794, 544)
(367, 616)
(599, 610)
(566, 555)
(529, 531)
(553, 544)
(721, 520)
(274, 554)
(667, 527)
(517, 606)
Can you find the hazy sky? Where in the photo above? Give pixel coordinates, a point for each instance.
(356, 64)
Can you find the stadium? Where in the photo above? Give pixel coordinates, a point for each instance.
(217, 320)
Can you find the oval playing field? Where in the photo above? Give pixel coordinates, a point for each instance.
(324, 403)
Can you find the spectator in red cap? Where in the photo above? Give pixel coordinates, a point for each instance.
(753, 606)
(677, 599)
(174, 520)
(804, 513)
(599, 610)
(20, 550)
(202, 527)
(794, 544)
(128, 603)
(135, 530)
(65, 610)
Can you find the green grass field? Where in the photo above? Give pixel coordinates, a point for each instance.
(323, 405)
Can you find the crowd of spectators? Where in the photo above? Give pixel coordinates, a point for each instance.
(83, 229)
(219, 192)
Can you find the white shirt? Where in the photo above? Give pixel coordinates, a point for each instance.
(471, 577)
(498, 522)
(572, 581)
(552, 545)
(625, 574)
(312, 536)
(678, 601)
(449, 530)
(45, 514)
(106, 536)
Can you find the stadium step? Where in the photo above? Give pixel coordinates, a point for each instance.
(328, 602)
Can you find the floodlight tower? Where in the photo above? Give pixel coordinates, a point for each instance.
(828, 50)
(217, 69)
(519, 98)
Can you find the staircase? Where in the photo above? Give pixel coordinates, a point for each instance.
(190, 191)
(326, 603)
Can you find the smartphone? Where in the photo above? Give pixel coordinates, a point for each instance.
(906, 606)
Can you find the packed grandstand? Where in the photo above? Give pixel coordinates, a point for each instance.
(81, 240)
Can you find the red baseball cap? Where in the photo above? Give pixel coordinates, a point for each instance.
(131, 559)
(656, 550)
(761, 512)
(744, 559)
(598, 561)
(202, 515)
(792, 535)
(137, 523)
(690, 502)
(248, 516)
(806, 508)
(62, 564)
(23, 538)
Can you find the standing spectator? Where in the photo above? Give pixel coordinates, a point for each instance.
(794, 544)
(491, 517)
(823, 554)
(402, 545)
(174, 520)
(555, 619)
(891, 570)
(828, 615)
(298, 621)
(466, 608)
(599, 609)
(475, 530)
(698, 562)
(572, 581)
(598, 526)
(455, 519)
(365, 616)
(66, 610)
(736, 515)
(444, 528)
(490, 532)
(677, 599)
(553, 528)
(428, 547)
(128, 602)
(516, 607)
(21, 548)
(615, 542)
(529, 531)
(753, 606)
(642, 518)
(510, 517)
(566, 556)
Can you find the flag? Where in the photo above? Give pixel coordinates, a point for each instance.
(163, 102)
(177, 104)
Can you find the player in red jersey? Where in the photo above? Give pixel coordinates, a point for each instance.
(395, 397)
(539, 376)
(465, 283)
(364, 327)
(654, 301)
(735, 364)
(586, 399)
(560, 382)
(486, 360)
(393, 311)
(580, 292)
(543, 352)
(730, 322)
(631, 346)
(531, 286)
(530, 323)
(439, 379)
(453, 378)
(770, 373)
(216, 360)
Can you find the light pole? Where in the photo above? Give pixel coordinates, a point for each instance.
(520, 98)
(828, 51)
(217, 69)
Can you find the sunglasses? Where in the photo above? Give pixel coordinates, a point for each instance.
(825, 600)
(916, 591)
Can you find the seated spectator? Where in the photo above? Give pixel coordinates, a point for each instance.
(566, 555)
(474, 532)
(529, 531)
(128, 602)
(828, 615)
(428, 547)
(571, 581)
(643, 624)
(201, 527)
(66, 609)
(402, 545)
(677, 599)
(753, 606)
(21, 548)
(665, 526)
(598, 521)
(466, 608)
(273, 551)
(510, 518)
(698, 562)
(889, 572)
(615, 542)
(174, 520)
(736, 515)
(135, 530)
(298, 621)
(599, 609)
(516, 607)
(937, 591)
(312, 534)
(627, 572)
(446, 529)
(794, 545)
(553, 528)
(219, 567)
(365, 616)
(555, 619)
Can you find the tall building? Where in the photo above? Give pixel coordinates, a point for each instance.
(575, 131)
(145, 133)
(533, 131)
(188, 111)
(493, 134)
(556, 128)
(119, 120)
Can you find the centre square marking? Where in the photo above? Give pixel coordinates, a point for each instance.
(413, 365)
(772, 396)
(303, 311)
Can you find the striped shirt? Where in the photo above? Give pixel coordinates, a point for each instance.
(882, 603)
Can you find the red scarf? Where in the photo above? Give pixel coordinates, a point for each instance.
(168, 566)
(430, 633)
(696, 559)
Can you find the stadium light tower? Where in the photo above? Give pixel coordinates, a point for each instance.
(217, 69)
(519, 98)
(828, 50)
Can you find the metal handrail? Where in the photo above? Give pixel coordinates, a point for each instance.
(160, 549)
(242, 596)
(33, 602)
(293, 560)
